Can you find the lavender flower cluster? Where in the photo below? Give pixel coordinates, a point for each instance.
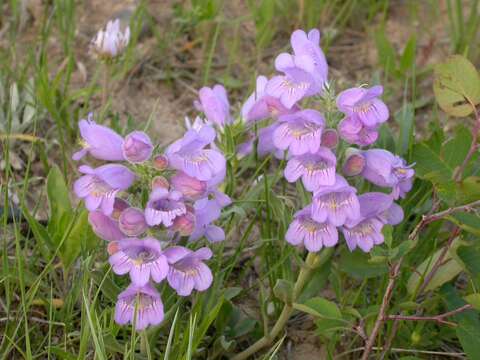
(184, 200)
(301, 135)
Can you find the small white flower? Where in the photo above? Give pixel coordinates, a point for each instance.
(111, 42)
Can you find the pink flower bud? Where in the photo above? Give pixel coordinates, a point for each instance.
(160, 182)
(354, 164)
(132, 222)
(112, 247)
(137, 147)
(330, 138)
(184, 224)
(190, 187)
(160, 162)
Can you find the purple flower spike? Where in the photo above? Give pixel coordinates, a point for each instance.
(315, 169)
(163, 207)
(104, 226)
(330, 138)
(146, 300)
(99, 141)
(261, 106)
(300, 133)
(385, 169)
(99, 186)
(143, 259)
(137, 147)
(336, 204)
(184, 224)
(309, 45)
(118, 206)
(365, 234)
(214, 103)
(354, 132)
(312, 234)
(188, 155)
(298, 82)
(187, 270)
(132, 222)
(363, 104)
(190, 187)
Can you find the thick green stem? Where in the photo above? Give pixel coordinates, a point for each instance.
(312, 261)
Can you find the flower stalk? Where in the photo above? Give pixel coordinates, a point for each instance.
(313, 261)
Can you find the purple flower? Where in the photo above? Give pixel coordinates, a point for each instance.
(190, 187)
(118, 206)
(363, 104)
(214, 104)
(312, 234)
(163, 207)
(300, 133)
(143, 259)
(315, 169)
(132, 222)
(184, 224)
(354, 131)
(266, 144)
(100, 141)
(187, 270)
(335, 204)
(381, 206)
(99, 186)
(376, 209)
(309, 45)
(261, 106)
(298, 82)
(147, 303)
(137, 147)
(207, 210)
(385, 169)
(104, 226)
(365, 234)
(111, 42)
(189, 155)
(160, 162)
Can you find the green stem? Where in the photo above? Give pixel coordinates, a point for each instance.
(312, 262)
(105, 84)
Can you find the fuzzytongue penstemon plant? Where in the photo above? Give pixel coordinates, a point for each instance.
(302, 137)
(184, 200)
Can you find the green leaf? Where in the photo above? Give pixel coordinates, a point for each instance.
(456, 86)
(283, 290)
(407, 60)
(429, 165)
(357, 264)
(455, 150)
(320, 307)
(467, 221)
(387, 57)
(470, 256)
(469, 189)
(474, 300)
(405, 119)
(80, 237)
(58, 193)
(449, 269)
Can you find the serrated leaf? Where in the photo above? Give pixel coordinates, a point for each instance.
(456, 86)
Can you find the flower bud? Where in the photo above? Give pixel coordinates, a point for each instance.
(104, 227)
(132, 222)
(112, 247)
(330, 138)
(160, 182)
(190, 187)
(118, 206)
(137, 147)
(160, 162)
(354, 164)
(184, 224)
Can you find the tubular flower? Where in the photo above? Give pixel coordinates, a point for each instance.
(111, 42)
